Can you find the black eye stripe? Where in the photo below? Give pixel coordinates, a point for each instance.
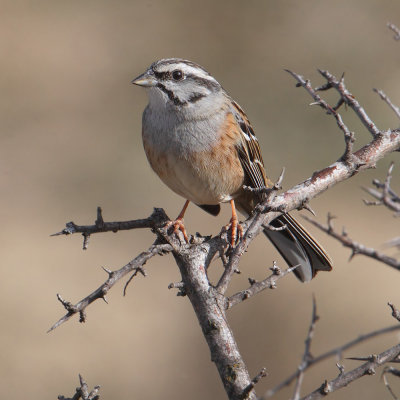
(161, 76)
(209, 84)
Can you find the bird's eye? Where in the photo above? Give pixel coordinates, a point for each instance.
(177, 75)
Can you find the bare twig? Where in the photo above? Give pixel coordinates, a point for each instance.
(356, 248)
(82, 392)
(254, 381)
(385, 194)
(392, 371)
(351, 101)
(113, 277)
(307, 352)
(348, 136)
(344, 379)
(157, 218)
(386, 99)
(256, 287)
(335, 352)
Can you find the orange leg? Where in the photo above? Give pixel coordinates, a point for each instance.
(178, 223)
(234, 225)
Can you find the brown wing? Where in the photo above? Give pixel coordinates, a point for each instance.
(249, 151)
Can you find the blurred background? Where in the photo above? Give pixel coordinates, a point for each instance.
(71, 141)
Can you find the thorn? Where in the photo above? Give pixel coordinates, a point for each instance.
(353, 254)
(252, 281)
(275, 269)
(82, 316)
(86, 237)
(326, 388)
(99, 220)
(307, 207)
(341, 369)
(390, 168)
(395, 311)
(278, 183)
(108, 271)
(176, 285)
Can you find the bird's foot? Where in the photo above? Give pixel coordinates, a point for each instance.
(236, 230)
(178, 226)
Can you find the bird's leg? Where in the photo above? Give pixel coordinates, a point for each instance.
(178, 223)
(236, 228)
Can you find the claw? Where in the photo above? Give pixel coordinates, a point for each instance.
(178, 226)
(236, 230)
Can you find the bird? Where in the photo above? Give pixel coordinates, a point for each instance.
(201, 144)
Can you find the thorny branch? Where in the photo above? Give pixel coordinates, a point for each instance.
(193, 259)
(385, 194)
(335, 352)
(343, 379)
(257, 287)
(356, 248)
(134, 266)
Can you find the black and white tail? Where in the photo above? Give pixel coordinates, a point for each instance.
(297, 247)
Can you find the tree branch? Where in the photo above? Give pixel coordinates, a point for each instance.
(257, 287)
(344, 379)
(386, 99)
(157, 218)
(135, 266)
(356, 248)
(385, 195)
(335, 352)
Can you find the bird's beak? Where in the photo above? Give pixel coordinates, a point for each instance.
(146, 80)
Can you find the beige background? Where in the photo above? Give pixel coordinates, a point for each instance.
(70, 141)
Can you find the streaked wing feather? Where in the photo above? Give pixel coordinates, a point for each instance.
(249, 150)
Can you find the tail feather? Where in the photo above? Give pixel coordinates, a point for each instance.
(297, 247)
